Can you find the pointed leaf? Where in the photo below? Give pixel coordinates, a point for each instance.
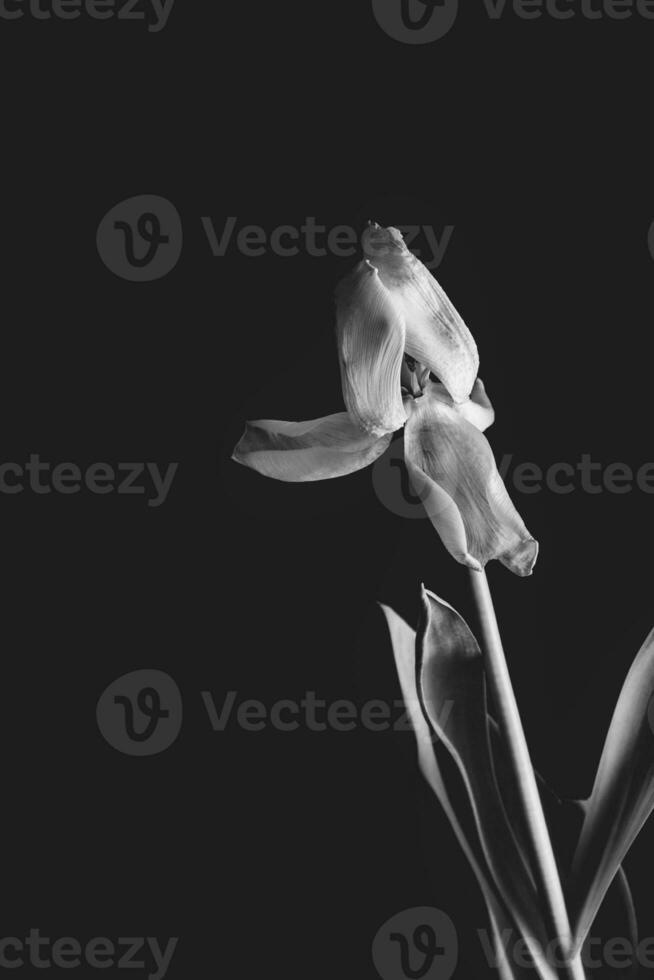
(450, 669)
(623, 793)
(403, 639)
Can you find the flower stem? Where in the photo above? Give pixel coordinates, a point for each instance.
(546, 873)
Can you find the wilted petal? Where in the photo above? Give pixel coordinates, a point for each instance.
(370, 334)
(452, 469)
(477, 409)
(623, 793)
(435, 333)
(298, 452)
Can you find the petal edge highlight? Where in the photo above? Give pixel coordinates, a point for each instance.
(300, 452)
(452, 468)
(435, 333)
(370, 335)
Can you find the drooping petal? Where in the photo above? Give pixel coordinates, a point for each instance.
(435, 333)
(623, 794)
(298, 452)
(371, 335)
(450, 671)
(452, 469)
(403, 639)
(477, 409)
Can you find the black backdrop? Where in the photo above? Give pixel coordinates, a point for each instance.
(278, 852)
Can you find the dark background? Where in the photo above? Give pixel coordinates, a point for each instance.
(276, 852)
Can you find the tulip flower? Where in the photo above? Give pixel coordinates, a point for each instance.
(443, 676)
(408, 361)
(390, 306)
(397, 332)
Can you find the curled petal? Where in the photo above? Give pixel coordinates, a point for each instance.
(452, 469)
(435, 333)
(371, 338)
(298, 452)
(477, 409)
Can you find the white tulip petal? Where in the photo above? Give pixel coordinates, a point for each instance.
(477, 409)
(435, 333)
(371, 336)
(443, 512)
(452, 468)
(298, 452)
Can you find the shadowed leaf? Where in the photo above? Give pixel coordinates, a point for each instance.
(622, 796)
